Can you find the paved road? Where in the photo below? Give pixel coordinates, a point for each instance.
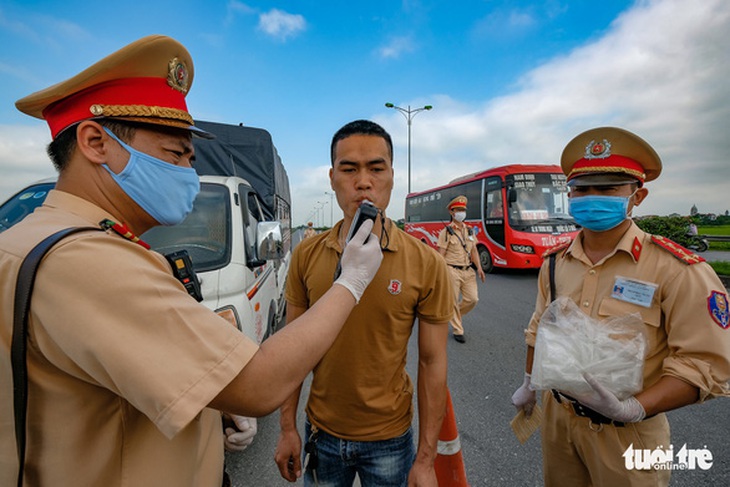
(716, 255)
(483, 373)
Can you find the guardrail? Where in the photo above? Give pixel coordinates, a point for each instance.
(716, 238)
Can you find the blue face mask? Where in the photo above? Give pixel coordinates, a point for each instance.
(165, 191)
(599, 213)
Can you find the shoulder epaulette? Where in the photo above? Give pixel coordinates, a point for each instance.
(685, 255)
(557, 248)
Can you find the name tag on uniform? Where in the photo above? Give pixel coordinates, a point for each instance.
(633, 291)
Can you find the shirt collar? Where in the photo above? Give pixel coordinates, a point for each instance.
(78, 206)
(630, 243)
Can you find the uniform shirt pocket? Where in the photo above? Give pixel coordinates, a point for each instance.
(652, 318)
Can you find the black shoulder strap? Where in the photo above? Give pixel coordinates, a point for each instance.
(552, 278)
(23, 290)
(452, 232)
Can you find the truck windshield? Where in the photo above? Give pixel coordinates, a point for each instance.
(536, 199)
(205, 233)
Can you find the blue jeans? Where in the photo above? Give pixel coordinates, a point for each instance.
(383, 463)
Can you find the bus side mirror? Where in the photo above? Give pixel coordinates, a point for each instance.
(511, 195)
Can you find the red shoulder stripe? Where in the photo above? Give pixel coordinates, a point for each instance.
(556, 249)
(686, 256)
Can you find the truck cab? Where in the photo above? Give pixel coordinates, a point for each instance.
(235, 252)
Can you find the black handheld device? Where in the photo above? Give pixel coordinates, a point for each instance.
(182, 269)
(366, 211)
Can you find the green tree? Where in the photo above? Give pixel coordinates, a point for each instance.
(671, 227)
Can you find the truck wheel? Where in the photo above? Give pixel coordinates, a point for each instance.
(485, 258)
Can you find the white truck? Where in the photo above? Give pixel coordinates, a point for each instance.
(244, 205)
(238, 235)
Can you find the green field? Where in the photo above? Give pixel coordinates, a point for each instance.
(716, 230)
(722, 268)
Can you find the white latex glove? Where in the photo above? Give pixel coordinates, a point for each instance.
(240, 437)
(525, 398)
(605, 402)
(360, 261)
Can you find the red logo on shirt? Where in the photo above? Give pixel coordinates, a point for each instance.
(394, 287)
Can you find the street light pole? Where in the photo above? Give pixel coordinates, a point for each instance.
(409, 113)
(332, 208)
(321, 207)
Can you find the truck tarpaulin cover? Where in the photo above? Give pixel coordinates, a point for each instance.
(245, 152)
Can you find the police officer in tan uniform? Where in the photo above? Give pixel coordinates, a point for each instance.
(457, 244)
(680, 299)
(127, 374)
(310, 231)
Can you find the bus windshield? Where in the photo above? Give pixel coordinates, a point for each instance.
(537, 199)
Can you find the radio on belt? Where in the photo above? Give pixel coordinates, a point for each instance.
(182, 269)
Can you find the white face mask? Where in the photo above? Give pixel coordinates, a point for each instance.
(459, 216)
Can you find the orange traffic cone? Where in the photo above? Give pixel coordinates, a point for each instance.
(449, 463)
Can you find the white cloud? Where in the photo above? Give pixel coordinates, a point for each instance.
(309, 185)
(281, 25)
(396, 47)
(44, 29)
(22, 157)
(504, 24)
(660, 72)
(235, 8)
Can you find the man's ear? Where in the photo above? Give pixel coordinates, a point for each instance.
(92, 142)
(640, 195)
(331, 174)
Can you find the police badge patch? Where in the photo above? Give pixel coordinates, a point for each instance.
(717, 305)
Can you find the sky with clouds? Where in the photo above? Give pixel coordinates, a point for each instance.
(511, 81)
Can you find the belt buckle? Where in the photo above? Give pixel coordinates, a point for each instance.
(595, 427)
(596, 420)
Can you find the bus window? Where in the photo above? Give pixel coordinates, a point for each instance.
(494, 210)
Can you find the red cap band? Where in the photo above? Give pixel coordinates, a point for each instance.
(614, 163)
(144, 93)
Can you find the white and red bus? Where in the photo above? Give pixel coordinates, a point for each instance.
(514, 235)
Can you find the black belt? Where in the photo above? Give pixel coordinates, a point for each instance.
(585, 411)
(460, 267)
